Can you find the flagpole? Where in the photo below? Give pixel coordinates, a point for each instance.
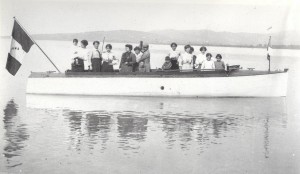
(269, 56)
(102, 44)
(37, 45)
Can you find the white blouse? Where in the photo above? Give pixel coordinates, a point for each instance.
(200, 58)
(138, 56)
(109, 57)
(74, 51)
(84, 54)
(208, 65)
(186, 61)
(174, 54)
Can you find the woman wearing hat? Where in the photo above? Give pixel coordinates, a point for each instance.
(128, 60)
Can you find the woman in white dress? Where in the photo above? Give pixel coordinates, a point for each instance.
(200, 58)
(186, 59)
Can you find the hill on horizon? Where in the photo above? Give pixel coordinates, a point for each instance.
(194, 37)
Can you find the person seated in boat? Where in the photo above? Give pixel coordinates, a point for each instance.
(168, 64)
(174, 56)
(108, 59)
(200, 58)
(83, 55)
(208, 64)
(138, 55)
(219, 64)
(128, 59)
(145, 58)
(96, 57)
(186, 59)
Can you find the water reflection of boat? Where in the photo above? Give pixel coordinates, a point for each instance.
(172, 121)
(242, 83)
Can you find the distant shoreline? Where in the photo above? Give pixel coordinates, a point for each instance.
(291, 47)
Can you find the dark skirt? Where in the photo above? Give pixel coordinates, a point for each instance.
(135, 67)
(174, 64)
(78, 65)
(106, 67)
(96, 65)
(126, 68)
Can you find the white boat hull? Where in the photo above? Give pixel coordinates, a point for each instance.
(268, 85)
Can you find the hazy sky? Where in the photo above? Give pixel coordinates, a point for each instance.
(65, 16)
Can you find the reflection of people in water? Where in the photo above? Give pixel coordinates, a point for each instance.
(16, 133)
(75, 118)
(131, 128)
(98, 126)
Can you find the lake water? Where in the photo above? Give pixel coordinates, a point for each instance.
(77, 134)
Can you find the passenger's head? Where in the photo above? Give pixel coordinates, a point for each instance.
(218, 57)
(96, 44)
(84, 43)
(203, 50)
(128, 47)
(167, 59)
(191, 50)
(208, 56)
(173, 46)
(108, 47)
(137, 50)
(145, 47)
(75, 42)
(187, 48)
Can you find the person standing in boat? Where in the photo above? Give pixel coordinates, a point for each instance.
(96, 57)
(74, 49)
(186, 59)
(193, 56)
(128, 60)
(174, 56)
(200, 58)
(208, 64)
(145, 58)
(109, 59)
(138, 55)
(219, 64)
(83, 55)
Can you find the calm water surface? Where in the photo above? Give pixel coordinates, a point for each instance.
(77, 134)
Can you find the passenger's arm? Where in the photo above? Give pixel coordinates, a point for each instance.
(213, 66)
(202, 65)
(144, 57)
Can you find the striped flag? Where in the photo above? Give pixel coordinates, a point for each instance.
(20, 45)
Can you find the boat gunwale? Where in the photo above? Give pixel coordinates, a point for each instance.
(157, 74)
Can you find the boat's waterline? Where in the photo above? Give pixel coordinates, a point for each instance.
(268, 85)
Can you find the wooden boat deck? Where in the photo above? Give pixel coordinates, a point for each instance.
(153, 74)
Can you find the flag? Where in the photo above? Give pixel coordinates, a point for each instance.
(20, 45)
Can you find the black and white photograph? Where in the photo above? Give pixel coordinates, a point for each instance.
(149, 86)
